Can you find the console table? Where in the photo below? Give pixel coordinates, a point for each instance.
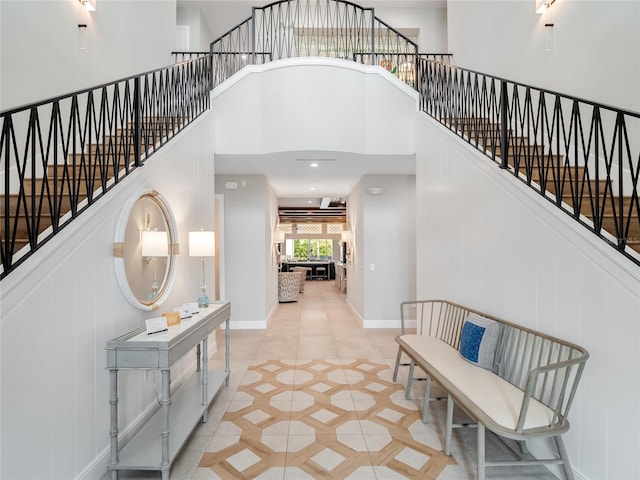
(158, 442)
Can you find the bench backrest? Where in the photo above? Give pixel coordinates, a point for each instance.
(543, 367)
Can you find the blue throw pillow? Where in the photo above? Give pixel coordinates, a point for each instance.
(478, 340)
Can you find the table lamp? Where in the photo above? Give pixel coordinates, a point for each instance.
(202, 244)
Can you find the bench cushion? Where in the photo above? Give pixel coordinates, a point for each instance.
(491, 394)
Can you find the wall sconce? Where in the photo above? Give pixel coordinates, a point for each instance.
(82, 35)
(88, 5)
(278, 238)
(545, 6)
(548, 28)
(202, 244)
(346, 237)
(154, 244)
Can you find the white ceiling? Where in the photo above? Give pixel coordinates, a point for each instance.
(292, 177)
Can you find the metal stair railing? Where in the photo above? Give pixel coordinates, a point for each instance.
(313, 28)
(59, 156)
(581, 155)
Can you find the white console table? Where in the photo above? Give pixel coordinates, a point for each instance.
(159, 441)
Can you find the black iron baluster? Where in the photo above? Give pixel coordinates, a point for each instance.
(54, 203)
(6, 249)
(597, 212)
(504, 137)
(137, 123)
(577, 204)
(622, 240)
(373, 38)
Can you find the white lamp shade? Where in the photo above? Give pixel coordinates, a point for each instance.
(155, 243)
(346, 236)
(202, 244)
(278, 236)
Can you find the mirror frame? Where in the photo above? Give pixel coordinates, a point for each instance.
(172, 257)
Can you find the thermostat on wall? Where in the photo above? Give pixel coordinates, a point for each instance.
(230, 185)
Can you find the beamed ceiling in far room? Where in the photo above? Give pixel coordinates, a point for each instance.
(310, 186)
(330, 210)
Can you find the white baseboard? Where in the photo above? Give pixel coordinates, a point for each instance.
(272, 313)
(381, 324)
(250, 325)
(578, 475)
(99, 468)
(542, 448)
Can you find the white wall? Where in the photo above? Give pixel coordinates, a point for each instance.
(430, 21)
(200, 36)
(39, 45)
(489, 242)
(384, 233)
(314, 104)
(596, 53)
(389, 245)
(355, 262)
(61, 307)
(250, 266)
(271, 270)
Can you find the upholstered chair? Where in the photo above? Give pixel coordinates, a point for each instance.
(303, 276)
(288, 286)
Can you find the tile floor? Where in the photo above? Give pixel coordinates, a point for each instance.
(284, 416)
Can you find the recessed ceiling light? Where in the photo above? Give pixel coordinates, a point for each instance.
(314, 165)
(312, 188)
(309, 201)
(315, 160)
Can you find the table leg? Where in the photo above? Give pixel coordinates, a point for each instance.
(226, 350)
(113, 432)
(205, 378)
(165, 404)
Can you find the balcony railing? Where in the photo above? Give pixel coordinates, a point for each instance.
(58, 156)
(582, 156)
(318, 28)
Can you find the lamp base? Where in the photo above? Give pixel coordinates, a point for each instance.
(203, 300)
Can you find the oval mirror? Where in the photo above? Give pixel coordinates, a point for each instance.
(145, 250)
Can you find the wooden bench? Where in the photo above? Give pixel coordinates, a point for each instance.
(527, 392)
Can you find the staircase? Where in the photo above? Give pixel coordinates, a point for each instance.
(66, 189)
(568, 186)
(135, 116)
(59, 156)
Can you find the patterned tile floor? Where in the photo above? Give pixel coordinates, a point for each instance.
(333, 419)
(311, 397)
